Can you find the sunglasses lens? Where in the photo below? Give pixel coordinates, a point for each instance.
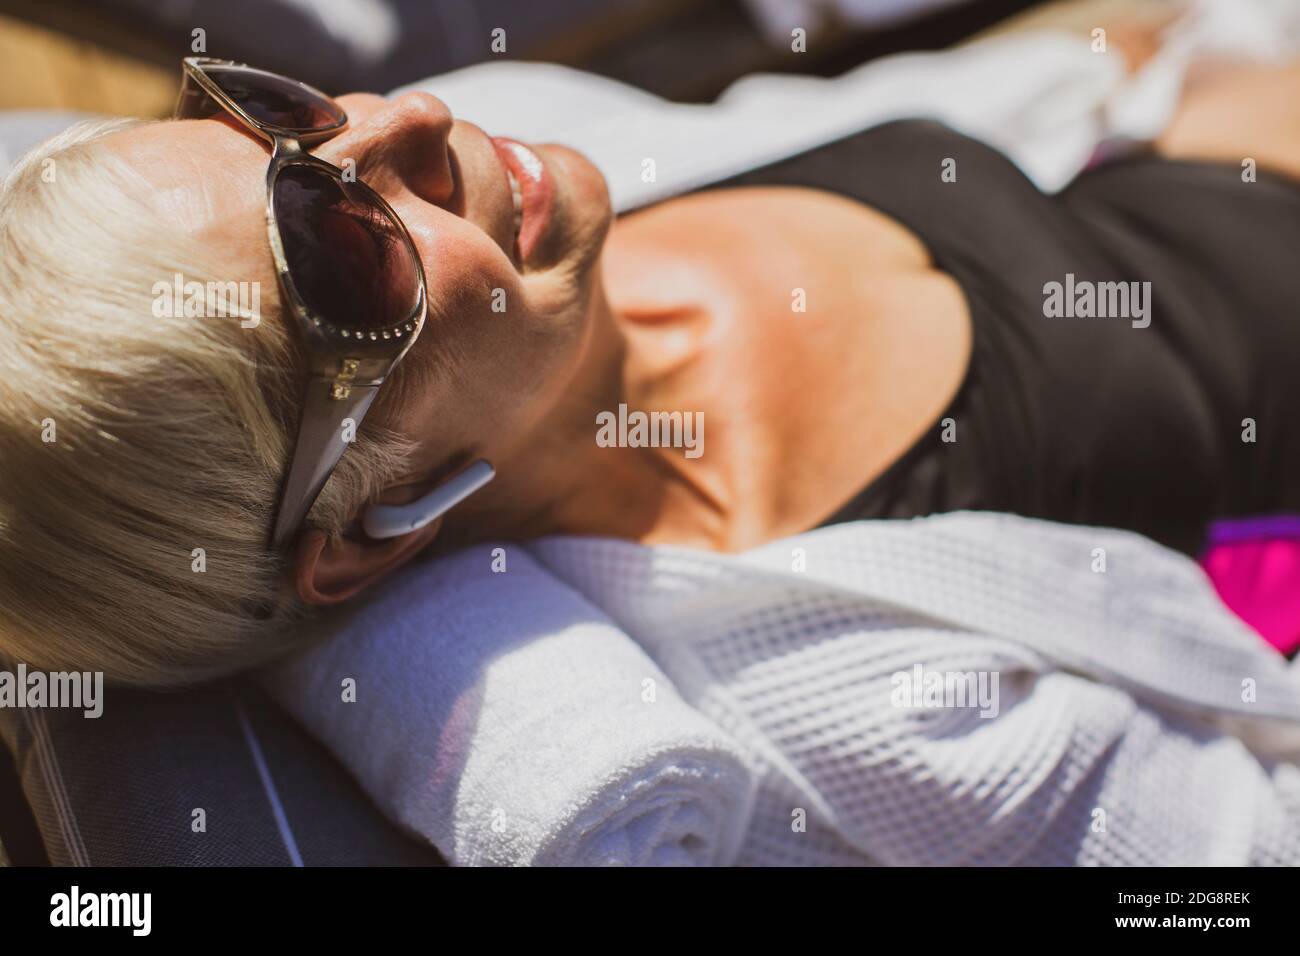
(275, 100)
(348, 259)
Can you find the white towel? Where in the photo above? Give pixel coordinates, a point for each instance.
(1038, 97)
(1133, 721)
(1136, 720)
(504, 719)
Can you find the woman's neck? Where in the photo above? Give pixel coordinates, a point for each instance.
(559, 478)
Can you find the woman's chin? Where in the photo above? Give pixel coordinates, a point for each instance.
(580, 213)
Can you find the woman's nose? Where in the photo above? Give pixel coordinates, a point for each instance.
(402, 143)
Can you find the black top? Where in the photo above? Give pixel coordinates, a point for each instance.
(1091, 420)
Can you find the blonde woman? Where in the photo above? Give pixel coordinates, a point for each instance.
(179, 482)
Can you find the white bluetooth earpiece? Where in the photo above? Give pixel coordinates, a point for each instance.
(392, 521)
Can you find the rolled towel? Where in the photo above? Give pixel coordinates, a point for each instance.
(505, 719)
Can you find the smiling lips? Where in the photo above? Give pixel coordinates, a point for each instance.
(532, 190)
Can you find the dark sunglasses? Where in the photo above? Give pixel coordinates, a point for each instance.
(347, 268)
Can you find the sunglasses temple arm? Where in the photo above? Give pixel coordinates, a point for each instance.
(191, 99)
(328, 425)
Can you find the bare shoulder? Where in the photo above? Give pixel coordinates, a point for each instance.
(772, 241)
(813, 332)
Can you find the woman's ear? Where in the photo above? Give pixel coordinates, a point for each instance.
(329, 570)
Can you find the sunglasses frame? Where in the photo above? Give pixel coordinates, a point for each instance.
(346, 365)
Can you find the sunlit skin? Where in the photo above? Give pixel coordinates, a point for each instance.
(684, 306)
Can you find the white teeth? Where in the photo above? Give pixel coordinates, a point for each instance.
(517, 196)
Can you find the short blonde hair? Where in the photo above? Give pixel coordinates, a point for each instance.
(169, 434)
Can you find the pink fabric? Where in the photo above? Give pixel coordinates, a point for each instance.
(1259, 579)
